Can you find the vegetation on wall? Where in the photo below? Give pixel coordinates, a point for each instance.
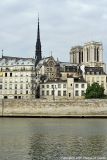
(94, 91)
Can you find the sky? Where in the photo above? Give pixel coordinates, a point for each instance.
(63, 24)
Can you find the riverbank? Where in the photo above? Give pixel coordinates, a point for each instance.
(48, 109)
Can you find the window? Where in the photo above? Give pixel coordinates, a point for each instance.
(15, 86)
(6, 81)
(69, 94)
(5, 74)
(15, 91)
(64, 85)
(47, 86)
(47, 69)
(76, 85)
(10, 74)
(64, 93)
(82, 93)
(10, 86)
(0, 86)
(26, 86)
(51, 63)
(5, 97)
(15, 97)
(76, 93)
(43, 86)
(27, 92)
(21, 92)
(52, 92)
(5, 86)
(42, 93)
(97, 54)
(59, 93)
(82, 85)
(47, 92)
(10, 80)
(59, 85)
(21, 86)
(71, 84)
(52, 86)
(79, 57)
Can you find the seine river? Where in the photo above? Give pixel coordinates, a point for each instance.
(53, 139)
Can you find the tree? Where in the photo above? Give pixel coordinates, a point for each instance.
(95, 91)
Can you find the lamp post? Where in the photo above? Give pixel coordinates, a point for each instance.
(53, 93)
(54, 87)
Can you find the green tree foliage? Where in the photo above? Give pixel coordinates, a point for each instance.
(95, 91)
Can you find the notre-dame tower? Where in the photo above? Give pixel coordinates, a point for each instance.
(38, 53)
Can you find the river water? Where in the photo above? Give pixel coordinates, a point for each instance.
(52, 139)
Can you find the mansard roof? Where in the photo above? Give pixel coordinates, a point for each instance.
(16, 58)
(13, 61)
(94, 70)
(79, 80)
(54, 81)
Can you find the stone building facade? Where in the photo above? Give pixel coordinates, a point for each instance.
(63, 89)
(17, 78)
(48, 67)
(96, 74)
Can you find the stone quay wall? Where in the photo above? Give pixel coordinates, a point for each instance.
(45, 108)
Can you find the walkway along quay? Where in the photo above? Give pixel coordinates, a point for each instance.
(54, 109)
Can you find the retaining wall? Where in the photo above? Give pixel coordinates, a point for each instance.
(53, 108)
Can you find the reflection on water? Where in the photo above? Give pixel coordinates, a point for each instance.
(52, 139)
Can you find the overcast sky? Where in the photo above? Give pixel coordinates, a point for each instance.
(63, 24)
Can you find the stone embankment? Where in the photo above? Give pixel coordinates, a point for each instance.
(45, 108)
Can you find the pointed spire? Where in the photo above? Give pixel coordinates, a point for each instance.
(38, 53)
(38, 32)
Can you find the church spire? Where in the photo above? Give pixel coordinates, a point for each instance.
(38, 54)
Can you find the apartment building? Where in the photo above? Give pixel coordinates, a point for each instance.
(17, 78)
(63, 89)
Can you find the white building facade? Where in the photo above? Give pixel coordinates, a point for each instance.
(17, 78)
(68, 89)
